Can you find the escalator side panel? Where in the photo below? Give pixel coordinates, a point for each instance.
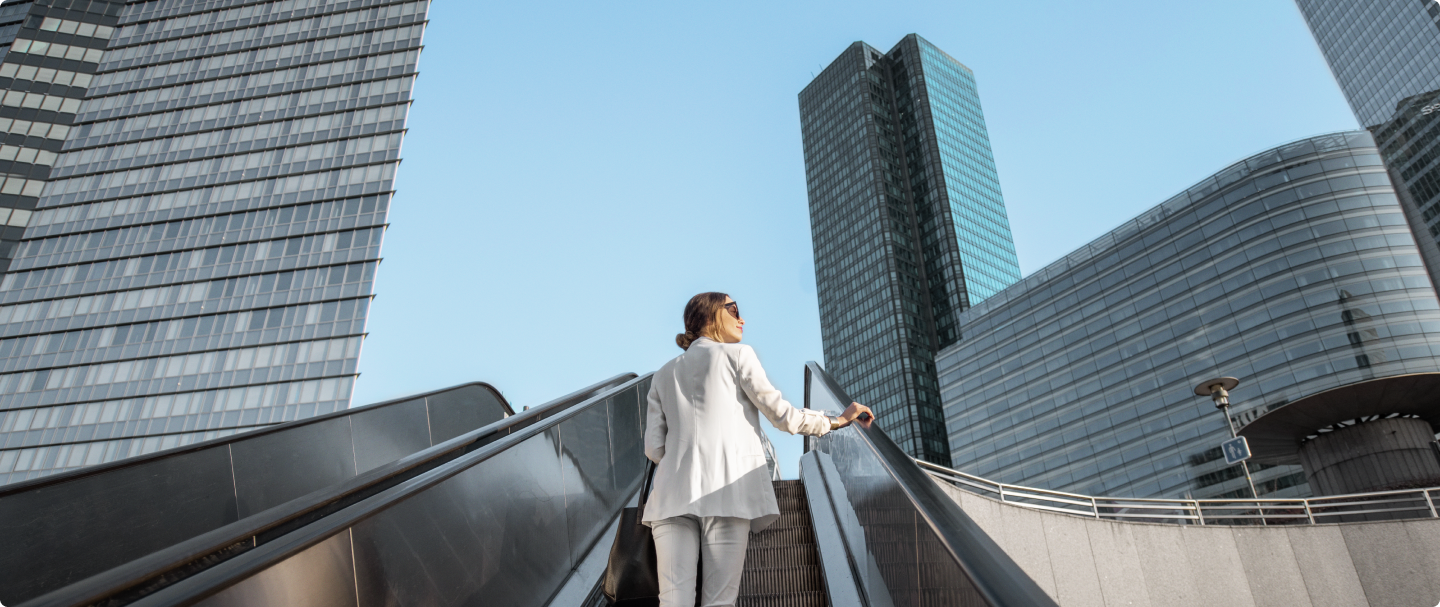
(587, 466)
(894, 542)
(919, 547)
(59, 534)
(321, 576)
(495, 533)
(456, 412)
(627, 440)
(390, 433)
(275, 468)
(78, 525)
(504, 525)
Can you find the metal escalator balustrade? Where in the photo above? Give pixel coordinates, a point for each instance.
(157, 570)
(62, 528)
(503, 524)
(905, 543)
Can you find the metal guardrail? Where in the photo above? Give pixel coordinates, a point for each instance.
(1355, 507)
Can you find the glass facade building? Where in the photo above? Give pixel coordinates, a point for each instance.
(1293, 270)
(213, 184)
(1385, 54)
(908, 225)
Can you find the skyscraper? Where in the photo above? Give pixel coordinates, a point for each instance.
(1385, 54)
(908, 225)
(201, 257)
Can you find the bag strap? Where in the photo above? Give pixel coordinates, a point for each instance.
(649, 482)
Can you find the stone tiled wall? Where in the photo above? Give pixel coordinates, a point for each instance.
(1083, 562)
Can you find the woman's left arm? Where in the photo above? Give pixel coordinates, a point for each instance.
(751, 377)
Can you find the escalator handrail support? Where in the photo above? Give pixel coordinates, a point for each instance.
(994, 575)
(53, 479)
(226, 574)
(119, 580)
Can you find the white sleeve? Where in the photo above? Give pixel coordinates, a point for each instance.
(751, 377)
(655, 428)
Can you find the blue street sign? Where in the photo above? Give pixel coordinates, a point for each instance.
(1236, 450)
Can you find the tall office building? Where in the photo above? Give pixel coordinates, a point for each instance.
(1385, 54)
(1293, 270)
(199, 254)
(908, 224)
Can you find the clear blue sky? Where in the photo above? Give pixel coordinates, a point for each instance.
(574, 172)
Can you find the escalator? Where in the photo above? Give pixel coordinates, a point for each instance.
(522, 512)
(115, 530)
(59, 529)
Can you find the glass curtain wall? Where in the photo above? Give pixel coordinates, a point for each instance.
(1293, 270)
(202, 257)
(1385, 55)
(908, 224)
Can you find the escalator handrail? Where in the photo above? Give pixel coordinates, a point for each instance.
(994, 575)
(54, 479)
(226, 574)
(159, 569)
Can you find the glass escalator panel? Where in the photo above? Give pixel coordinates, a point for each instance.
(66, 527)
(907, 543)
(504, 524)
(390, 443)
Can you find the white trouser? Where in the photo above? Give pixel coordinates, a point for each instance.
(681, 541)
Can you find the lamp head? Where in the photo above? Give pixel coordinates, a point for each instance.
(1218, 390)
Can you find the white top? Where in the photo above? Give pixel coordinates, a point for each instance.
(703, 432)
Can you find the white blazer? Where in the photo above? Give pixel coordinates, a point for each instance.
(703, 433)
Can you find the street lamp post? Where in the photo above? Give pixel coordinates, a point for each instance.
(1218, 390)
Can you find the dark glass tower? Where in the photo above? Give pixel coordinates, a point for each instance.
(908, 224)
(204, 188)
(1385, 54)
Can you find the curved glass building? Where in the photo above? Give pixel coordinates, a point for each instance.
(1293, 270)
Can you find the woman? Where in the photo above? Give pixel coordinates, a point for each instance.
(712, 486)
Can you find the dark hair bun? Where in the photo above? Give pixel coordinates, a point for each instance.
(699, 313)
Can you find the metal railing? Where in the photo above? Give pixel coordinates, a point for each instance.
(1355, 507)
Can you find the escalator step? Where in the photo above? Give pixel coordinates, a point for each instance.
(781, 580)
(786, 536)
(802, 555)
(793, 599)
(791, 520)
(782, 564)
(790, 504)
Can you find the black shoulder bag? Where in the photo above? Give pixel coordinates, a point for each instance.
(631, 579)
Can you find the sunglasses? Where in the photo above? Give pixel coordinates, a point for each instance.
(733, 308)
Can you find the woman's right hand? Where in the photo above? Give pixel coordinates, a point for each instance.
(856, 411)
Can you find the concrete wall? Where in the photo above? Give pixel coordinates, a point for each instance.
(1084, 562)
